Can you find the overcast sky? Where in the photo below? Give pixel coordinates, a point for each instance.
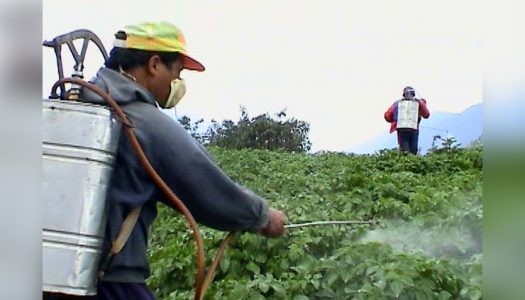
(336, 64)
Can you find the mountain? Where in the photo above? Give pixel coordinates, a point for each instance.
(466, 127)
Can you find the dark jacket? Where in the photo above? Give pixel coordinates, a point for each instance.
(211, 196)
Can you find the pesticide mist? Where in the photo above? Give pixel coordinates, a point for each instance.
(457, 242)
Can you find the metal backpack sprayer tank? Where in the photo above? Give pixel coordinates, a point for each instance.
(79, 146)
(407, 114)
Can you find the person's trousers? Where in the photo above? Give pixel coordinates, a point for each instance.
(111, 291)
(408, 140)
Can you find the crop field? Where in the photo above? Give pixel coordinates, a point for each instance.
(427, 244)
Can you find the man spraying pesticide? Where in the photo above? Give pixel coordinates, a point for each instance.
(109, 168)
(141, 74)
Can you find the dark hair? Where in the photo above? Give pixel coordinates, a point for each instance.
(407, 88)
(130, 58)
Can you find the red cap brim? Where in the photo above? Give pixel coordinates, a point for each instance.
(191, 64)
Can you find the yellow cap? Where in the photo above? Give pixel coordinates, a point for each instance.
(158, 36)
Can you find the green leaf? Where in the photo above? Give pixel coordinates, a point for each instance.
(346, 276)
(421, 296)
(224, 264)
(331, 278)
(263, 286)
(256, 296)
(315, 283)
(367, 287)
(371, 270)
(381, 284)
(325, 294)
(260, 258)
(300, 297)
(444, 295)
(475, 294)
(278, 288)
(397, 287)
(253, 268)
(238, 292)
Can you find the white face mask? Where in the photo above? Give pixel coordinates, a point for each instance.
(178, 89)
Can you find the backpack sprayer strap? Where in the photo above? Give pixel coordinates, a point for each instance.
(122, 238)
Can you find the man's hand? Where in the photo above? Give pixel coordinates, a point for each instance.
(276, 222)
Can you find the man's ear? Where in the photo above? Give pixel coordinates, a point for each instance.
(154, 64)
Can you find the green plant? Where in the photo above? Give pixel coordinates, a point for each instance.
(260, 132)
(427, 246)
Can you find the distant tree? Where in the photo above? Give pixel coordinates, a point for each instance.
(193, 128)
(260, 132)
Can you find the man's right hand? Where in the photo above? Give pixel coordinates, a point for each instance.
(276, 222)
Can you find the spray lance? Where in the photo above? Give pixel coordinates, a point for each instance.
(325, 223)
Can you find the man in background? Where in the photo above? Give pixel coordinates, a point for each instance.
(404, 115)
